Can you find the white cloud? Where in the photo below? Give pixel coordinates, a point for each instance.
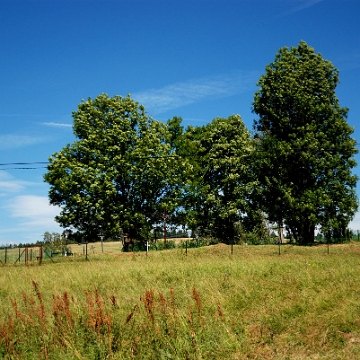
(355, 224)
(53, 124)
(15, 141)
(24, 217)
(8, 184)
(192, 91)
(298, 5)
(33, 210)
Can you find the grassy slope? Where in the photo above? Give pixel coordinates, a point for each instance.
(210, 304)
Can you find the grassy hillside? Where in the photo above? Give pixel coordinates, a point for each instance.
(303, 304)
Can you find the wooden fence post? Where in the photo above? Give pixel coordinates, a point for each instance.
(40, 255)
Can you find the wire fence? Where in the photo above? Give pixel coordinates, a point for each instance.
(19, 255)
(33, 255)
(36, 255)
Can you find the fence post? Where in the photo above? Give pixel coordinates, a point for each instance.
(279, 247)
(40, 255)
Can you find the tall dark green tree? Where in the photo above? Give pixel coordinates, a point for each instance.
(118, 174)
(218, 194)
(181, 146)
(305, 152)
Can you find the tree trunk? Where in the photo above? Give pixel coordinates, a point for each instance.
(306, 234)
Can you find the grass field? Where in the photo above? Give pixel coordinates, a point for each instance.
(208, 304)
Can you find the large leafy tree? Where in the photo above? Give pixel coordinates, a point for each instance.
(184, 147)
(220, 186)
(304, 151)
(119, 174)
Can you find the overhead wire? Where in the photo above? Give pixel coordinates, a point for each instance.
(140, 157)
(24, 163)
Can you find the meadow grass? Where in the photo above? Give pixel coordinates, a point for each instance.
(210, 304)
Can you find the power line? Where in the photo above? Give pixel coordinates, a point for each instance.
(24, 168)
(25, 163)
(47, 162)
(139, 157)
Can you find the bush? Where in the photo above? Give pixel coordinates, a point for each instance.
(194, 243)
(159, 245)
(254, 239)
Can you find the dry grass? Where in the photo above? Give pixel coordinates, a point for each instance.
(209, 304)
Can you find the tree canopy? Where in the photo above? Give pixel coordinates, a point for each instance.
(304, 150)
(125, 168)
(217, 197)
(119, 174)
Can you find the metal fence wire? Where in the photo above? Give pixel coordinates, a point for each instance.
(33, 255)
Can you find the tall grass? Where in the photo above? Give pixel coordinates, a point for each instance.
(206, 305)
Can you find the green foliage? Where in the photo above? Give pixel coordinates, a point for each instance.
(199, 242)
(254, 238)
(118, 174)
(217, 196)
(126, 169)
(55, 244)
(304, 150)
(159, 245)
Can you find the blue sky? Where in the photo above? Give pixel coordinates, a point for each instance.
(197, 59)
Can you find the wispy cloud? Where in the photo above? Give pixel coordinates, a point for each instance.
(25, 215)
(192, 91)
(347, 61)
(8, 184)
(28, 228)
(298, 5)
(16, 141)
(53, 124)
(33, 210)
